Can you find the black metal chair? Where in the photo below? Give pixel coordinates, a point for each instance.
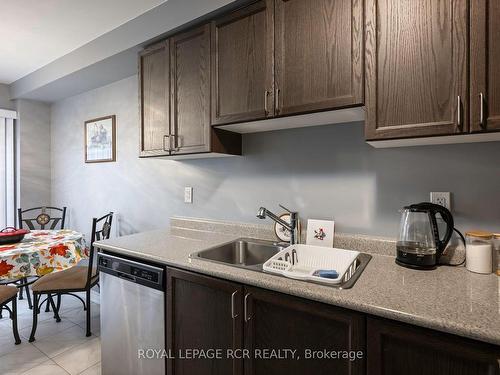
(8, 294)
(72, 280)
(23, 285)
(44, 219)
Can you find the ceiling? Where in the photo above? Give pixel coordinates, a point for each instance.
(35, 33)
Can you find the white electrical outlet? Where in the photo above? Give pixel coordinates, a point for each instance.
(441, 198)
(188, 194)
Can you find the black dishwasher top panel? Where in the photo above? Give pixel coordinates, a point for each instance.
(129, 270)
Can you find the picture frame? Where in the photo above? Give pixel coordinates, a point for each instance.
(320, 232)
(100, 139)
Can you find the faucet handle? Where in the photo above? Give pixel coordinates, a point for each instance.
(286, 209)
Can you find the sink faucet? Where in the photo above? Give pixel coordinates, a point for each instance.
(292, 226)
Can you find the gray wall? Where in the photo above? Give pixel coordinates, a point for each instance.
(34, 153)
(322, 172)
(5, 102)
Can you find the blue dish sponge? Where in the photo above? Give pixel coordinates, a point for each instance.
(327, 274)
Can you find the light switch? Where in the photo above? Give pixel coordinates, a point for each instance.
(188, 194)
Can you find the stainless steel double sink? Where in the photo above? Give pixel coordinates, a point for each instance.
(251, 254)
(243, 253)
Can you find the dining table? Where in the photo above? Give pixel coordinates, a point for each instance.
(41, 252)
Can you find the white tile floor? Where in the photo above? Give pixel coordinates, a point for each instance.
(60, 348)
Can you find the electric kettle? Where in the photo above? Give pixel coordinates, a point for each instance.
(419, 244)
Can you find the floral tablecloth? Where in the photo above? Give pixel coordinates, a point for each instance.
(42, 252)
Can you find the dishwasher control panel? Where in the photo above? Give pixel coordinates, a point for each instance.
(144, 274)
(133, 271)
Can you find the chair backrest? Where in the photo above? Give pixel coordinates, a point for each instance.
(101, 230)
(44, 218)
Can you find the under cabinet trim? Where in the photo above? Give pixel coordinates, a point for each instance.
(337, 116)
(440, 140)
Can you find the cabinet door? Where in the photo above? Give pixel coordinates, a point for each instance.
(319, 58)
(154, 95)
(416, 68)
(485, 65)
(242, 64)
(275, 321)
(396, 348)
(190, 72)
(202, 313)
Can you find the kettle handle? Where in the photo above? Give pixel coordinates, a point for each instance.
(448, 219)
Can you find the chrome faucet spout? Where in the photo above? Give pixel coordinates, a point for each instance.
(263, 213)
(292, 226)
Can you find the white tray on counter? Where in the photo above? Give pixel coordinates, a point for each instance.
(303, 261)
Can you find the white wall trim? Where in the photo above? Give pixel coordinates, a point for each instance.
(7, 113)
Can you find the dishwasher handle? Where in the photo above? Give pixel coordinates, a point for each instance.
(125, 276)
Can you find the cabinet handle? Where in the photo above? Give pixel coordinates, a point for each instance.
(233, 315)
(247, 318)
(169, 143)
(481, 110)
(277, 101)
(459, 112)
(266, 111)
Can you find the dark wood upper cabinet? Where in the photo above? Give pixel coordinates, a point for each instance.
(397, 348)
(485, 65)
(242, 64)
(416, 68)
(154, 97)
(422, 69)
(203, 313)
(191, 132)
(318, 55)
(190, 99)
(277, 321)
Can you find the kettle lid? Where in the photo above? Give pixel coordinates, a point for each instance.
(418, 207)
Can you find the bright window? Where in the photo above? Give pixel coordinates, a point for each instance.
(7, 169)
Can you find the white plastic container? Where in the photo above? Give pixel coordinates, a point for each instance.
(303, 262)
(479, 252)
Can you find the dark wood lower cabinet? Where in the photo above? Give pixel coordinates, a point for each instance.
(275, 321)
(203, 313)
(396, 348)
(260, 332)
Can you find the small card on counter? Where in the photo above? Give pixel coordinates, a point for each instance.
(320, 232)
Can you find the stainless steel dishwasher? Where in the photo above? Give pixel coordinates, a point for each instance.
(132, 317)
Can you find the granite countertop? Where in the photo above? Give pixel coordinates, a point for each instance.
(449, 299)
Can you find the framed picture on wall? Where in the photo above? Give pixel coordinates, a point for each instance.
(100, 139)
